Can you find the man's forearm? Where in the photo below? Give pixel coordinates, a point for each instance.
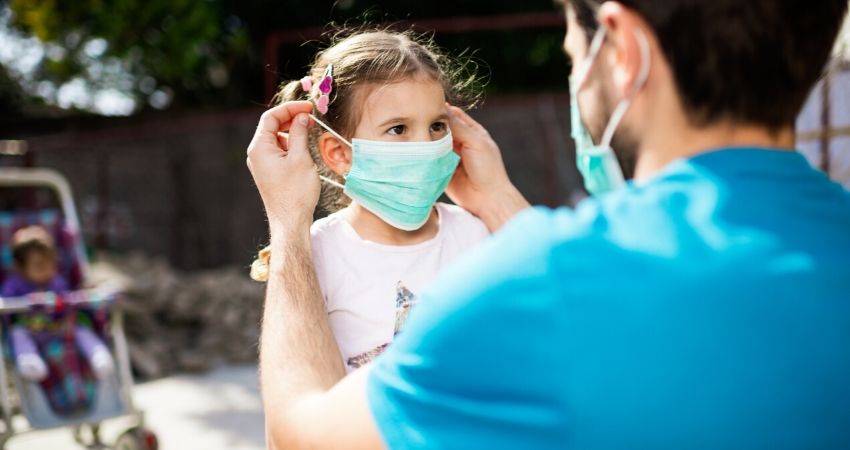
(502, 208)
(298, 353)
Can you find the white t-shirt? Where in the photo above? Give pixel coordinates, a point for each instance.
(370, 287)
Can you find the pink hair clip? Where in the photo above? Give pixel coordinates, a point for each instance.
(325, 89)
(307, 83)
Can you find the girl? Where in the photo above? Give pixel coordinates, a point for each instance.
(36, 270)
(385, 151)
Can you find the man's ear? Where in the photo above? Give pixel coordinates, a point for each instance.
(624, 53)
(335, 154)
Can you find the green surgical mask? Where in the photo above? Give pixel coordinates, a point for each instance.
(398, 181)
(598, 163)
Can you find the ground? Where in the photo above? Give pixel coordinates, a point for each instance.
(217, 410)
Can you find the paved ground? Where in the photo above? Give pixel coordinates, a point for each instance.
(218, 410)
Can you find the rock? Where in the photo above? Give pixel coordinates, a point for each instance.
(184, 322)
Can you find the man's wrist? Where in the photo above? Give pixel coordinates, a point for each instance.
(286, 234)
(501, 207)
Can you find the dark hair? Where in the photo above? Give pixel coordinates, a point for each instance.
(753, 61)
(364, 58)
(29, 240)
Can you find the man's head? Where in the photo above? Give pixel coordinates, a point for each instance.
(748, 63)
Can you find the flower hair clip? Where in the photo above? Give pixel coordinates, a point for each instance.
(320, 96)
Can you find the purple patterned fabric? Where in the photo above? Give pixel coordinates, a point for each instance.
(88, 342)
(16, 286)
(22, 343)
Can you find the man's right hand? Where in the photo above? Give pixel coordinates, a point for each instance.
(481, 184)
(281, 165)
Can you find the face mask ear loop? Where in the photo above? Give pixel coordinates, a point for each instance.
(331, 131)
(624, 105)
(587, 64)
(331, 182)
(336, 135)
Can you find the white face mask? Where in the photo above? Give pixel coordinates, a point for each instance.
(398, 181)
(598, 163)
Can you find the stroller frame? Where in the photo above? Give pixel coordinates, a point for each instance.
(136, 437)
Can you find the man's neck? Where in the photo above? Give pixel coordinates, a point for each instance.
(669, 144)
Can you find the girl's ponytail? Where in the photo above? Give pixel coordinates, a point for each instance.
(260, 266)
(289, 92)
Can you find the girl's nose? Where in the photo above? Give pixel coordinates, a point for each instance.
(422, 135)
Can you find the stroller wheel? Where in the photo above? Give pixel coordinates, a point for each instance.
(137, 439)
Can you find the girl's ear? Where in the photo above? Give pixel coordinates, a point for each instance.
(335, 154)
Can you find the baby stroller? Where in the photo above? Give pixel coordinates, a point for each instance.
(42, 197)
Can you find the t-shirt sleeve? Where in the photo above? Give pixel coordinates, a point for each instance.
(468, 228)
(469, 371)
(318, 241)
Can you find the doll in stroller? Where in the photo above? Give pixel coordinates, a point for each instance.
(62, 340)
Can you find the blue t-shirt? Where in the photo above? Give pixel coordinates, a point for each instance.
(708, 308)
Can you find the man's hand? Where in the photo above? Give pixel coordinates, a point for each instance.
(280, 162)
(481, 184)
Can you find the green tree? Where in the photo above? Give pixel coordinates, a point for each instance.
(154, 50)
(197, 53)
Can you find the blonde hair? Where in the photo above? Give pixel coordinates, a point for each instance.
(367, 59)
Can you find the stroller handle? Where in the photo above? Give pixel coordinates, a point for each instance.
(82, 297)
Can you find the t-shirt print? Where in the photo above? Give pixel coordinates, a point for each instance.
(404, 301)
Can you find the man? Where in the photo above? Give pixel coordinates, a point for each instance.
(707, 305)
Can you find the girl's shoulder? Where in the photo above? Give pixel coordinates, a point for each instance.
(330, 225)
(327, 238)
(461, 222)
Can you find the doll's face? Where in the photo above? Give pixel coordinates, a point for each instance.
(39, 268)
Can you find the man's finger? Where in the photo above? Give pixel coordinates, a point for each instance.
(283, 141)
(297, 143)
(464, 118)
(464, 129)
(279, 118)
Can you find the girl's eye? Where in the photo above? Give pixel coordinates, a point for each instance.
(397, 130)
(439, 127)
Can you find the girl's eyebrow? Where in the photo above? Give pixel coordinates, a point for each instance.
(394, 119)
(443, 116)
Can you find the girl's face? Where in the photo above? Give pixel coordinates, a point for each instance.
(413, 110)
(408, 111)
(39, 268)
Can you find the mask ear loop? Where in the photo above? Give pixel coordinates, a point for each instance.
(592, 53)
(624, 105)
(336, 135)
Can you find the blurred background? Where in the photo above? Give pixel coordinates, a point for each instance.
(146, 108)
(100, 89)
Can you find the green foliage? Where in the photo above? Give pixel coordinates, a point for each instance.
(210, 52)
(11, 95)
(512, 60)
(186, 46)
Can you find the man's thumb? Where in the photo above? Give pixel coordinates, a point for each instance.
(298, 139)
